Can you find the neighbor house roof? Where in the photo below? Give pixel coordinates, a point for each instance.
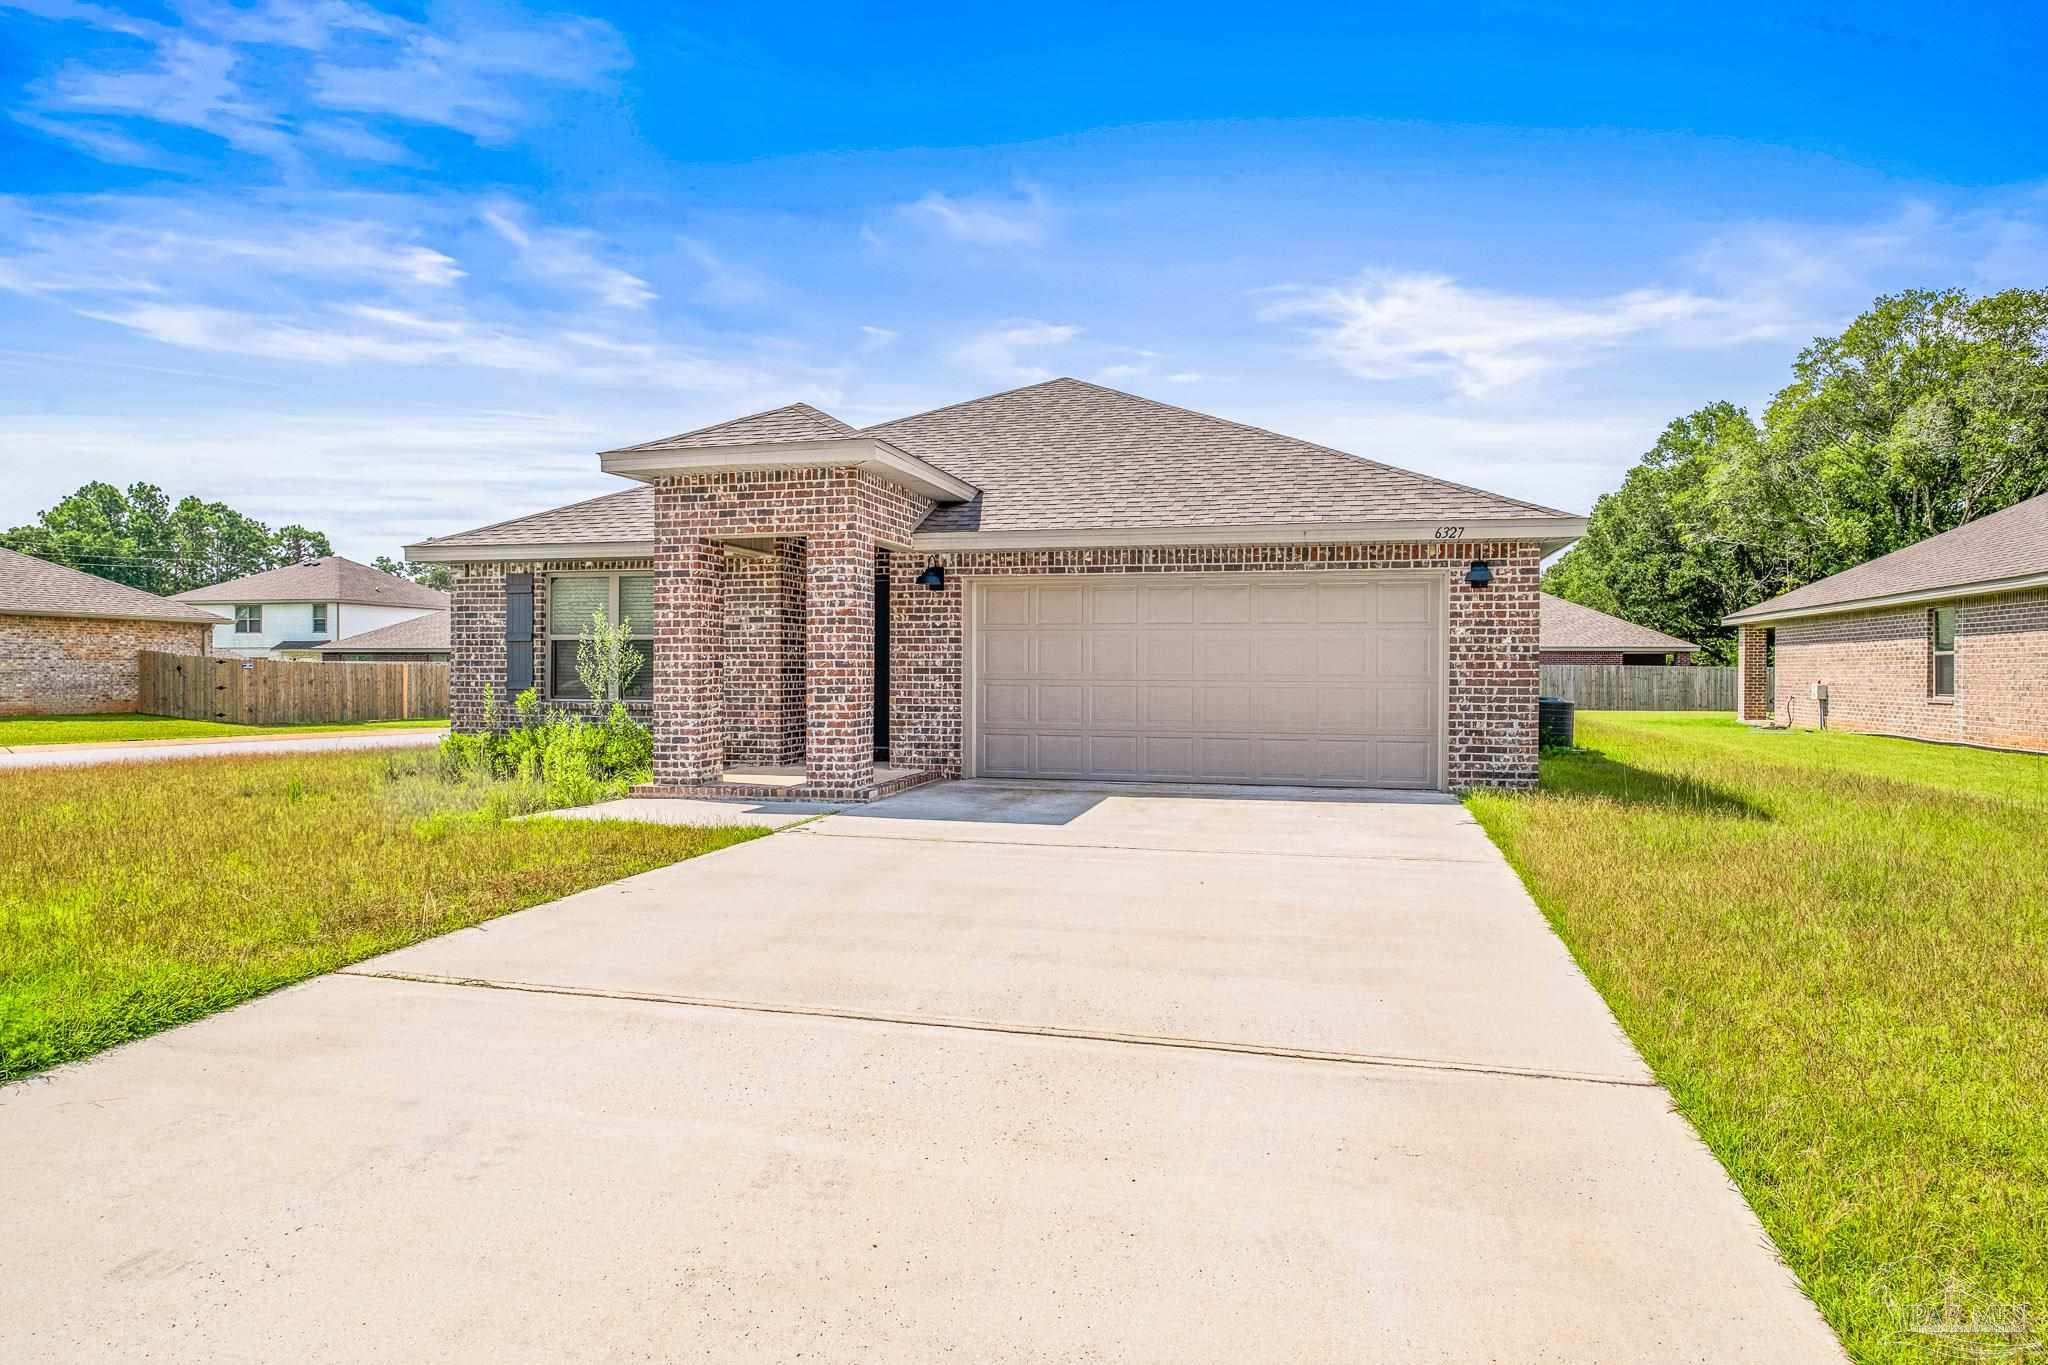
(1064, 460)
(36, 587)
(329, 578)
(1567, 625)
(2004, 551)
(427, 633)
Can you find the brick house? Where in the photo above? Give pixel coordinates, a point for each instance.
(1943, 640)
(1060, 581)
(68, 640)
(1575, 634)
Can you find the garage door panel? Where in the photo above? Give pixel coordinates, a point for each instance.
(1404, 762)
(1062, 704)
(1006, 704)
(1006, 653)
(1223, 653)
(1280, 680)
(1113, 706)
(1006, 606)
(1221, 706)
(1166, 654)
(1112, 653)
(1060, 606)
(1168, 708)
(1167, 606)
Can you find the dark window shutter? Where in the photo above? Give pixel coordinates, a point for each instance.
(518, 633)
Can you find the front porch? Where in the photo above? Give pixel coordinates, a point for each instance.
(788, 784)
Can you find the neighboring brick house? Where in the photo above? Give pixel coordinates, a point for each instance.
(1573, 634)
(1943, 640)
(68, 640)
(1060, 581)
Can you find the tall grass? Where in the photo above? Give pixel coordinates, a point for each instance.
(1834, 950)
(137, 897)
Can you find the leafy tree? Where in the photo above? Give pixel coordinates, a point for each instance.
(1928, 411)
(138, 537)
(606, 663)
(437, 576)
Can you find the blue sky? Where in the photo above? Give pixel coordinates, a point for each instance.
(394, 271)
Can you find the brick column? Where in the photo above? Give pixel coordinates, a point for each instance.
(763, 656)
(688, 747)
(839, 677)
(1753, 677)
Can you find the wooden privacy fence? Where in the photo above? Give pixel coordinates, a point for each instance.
(283, 692)
(1641, 687)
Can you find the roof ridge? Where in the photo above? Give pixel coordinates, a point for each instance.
(737, 421)
(968, 402)
(1314, 445)
(523, 516)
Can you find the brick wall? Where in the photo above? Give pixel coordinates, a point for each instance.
(763, 656)
(477, 637)
(1878, 668)
(1493, 681)
(70, 665)
(841, 514)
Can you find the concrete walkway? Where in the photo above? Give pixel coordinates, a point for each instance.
(162, 750)
(982, 1073)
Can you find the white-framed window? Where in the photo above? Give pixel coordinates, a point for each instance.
(319, 618)
(573, 598)
(249, 620)
(1941, 677)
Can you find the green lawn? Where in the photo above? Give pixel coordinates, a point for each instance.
(139, 896)
(1833, 949)
(108, 729)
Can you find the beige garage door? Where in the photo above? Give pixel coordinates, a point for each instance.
(1290, 678)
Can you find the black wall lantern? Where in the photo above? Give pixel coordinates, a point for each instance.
(933, 578)
(1479, 575)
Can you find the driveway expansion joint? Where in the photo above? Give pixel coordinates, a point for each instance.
(1147, 848)
(1275, 1051)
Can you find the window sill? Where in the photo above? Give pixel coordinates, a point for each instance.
(1941, 701)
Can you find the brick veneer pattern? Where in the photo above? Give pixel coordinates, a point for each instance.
(763, 656)
(1878, 668)
(71, 665)
(841, 513)
(1494, 675)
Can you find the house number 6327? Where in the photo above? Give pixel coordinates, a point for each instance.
(1450, 533)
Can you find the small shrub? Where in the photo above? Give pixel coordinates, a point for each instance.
(546, 760)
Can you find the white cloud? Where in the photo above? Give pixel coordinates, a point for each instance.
(996, 352)
(472, 79)
(482, 79)
(566, 257)
(1390, 325)
(721, 281)
(95, 139)
(1019, 221)
(874, 339)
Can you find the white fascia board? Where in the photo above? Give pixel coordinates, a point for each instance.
(430, 553)
(1548, 531)
(1987, 588)
(866, 452)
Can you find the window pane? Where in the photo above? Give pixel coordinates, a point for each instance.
(636, 600)
(1944, 627)
(1944, 675)
(643, 681)
(571, 601)
(562, 678)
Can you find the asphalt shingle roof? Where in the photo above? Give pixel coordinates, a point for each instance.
(327, 579)
(2008, 544)
(428, 632)
(1567, 625)
(1067, 455)
(795, 422)
(36, 587)
(627, 515)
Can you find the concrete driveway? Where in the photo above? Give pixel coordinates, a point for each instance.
(981, 1073)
